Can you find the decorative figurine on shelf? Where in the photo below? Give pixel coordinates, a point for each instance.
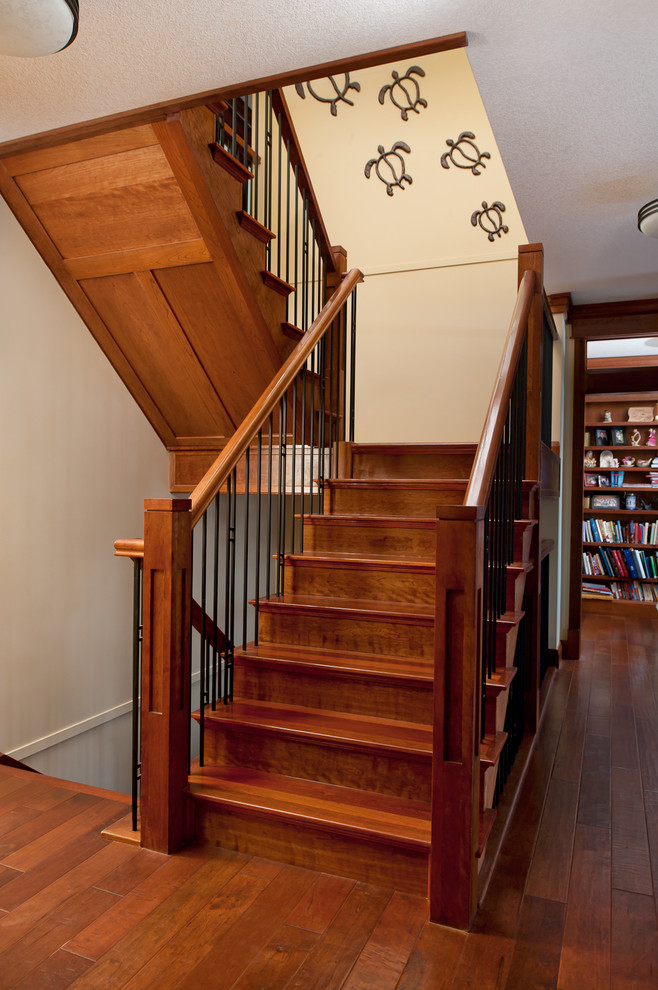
(607, 416)
(629, 501)
(628, 461)
(643, 463)
(590, 460)
(651, 439)
(636, 437)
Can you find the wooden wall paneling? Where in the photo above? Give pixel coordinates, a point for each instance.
(110, 204)
(83, 306)
(112, 143)
(238, 357)
(148, 332)
(199, 126)
(139, 259)
(166, 823)
(572, 646)
(456, 764)
(239, 303)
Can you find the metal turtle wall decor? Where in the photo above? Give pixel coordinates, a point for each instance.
(404, 92)
(490, 219)
(339, 90)
(390, 167)
(464, 153)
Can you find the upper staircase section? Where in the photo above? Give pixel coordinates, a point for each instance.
(144, 231)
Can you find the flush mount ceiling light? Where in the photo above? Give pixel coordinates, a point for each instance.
(647, 219)
(29, 28)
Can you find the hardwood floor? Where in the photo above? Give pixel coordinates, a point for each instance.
(571, 904)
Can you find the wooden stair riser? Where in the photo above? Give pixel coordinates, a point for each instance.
(516, 579)
(360, 635)
(304, 845)
(411, 460)
(507, 633)
(523, 529)
(383, 500)
(497, 698)
(318, 687)
(376, 581)
(332, 762)
(490, 751)
(324, 534)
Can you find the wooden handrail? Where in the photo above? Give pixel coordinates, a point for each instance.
(129, 548)
(482, 473)
(217, 475)
(289, 133)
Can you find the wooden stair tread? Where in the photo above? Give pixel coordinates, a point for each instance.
(326, 726)
(490, 749)
(395, 484)
(370, 664)
(326, 558)
(511, 618)
(326, 806)
(500, 680)
(401, 522)
(357, 608)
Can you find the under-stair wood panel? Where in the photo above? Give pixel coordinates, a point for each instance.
(140, 223)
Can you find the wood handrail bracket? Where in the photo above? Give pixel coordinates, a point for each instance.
(218, 473)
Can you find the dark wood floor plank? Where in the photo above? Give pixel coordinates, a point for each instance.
(318, 907)
(280, 960)
(551, 862)
(432, 964)
(644, 700)
(63, 812)
(651, 810)
(620, 682)
(131, 873)
(585, 959)
(52, 930)
(647, 742)
(536, 957)
(28, 884)
(634, 960)
(57, 972)
(485, 962)
(581, 684)
(338, 949)
(128, 956)
(50, 798)
(19, 921)
(631, 864)
(594, 801)
(99, 814)
(569, 756)
(623, 738)
(386, 952)
(101, 936)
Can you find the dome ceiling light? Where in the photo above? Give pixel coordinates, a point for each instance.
(29, 28)
(647, 219)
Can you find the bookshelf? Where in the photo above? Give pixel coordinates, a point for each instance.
(620, 503)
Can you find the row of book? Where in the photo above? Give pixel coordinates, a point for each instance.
(629, 591)
(616, 531)
(625, 562)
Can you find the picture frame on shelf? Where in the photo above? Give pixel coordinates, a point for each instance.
(591, 480)
(605, 501)
(619, 436)
(604, 481)
(602, 436)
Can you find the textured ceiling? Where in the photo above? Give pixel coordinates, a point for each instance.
(570, 87)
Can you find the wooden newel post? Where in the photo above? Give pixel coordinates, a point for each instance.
(457, 707)
(531, 257)
(165, 823)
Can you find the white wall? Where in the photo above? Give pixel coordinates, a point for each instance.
(78, 459)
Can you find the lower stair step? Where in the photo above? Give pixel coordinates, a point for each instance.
(367, 836)
(385, 578)
(374, 754)
(355, 683)
(398, 535)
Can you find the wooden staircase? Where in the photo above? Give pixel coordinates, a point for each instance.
(324, 757)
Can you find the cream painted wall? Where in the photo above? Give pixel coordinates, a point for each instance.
(429, 345)
(78, 459)
(438, 295)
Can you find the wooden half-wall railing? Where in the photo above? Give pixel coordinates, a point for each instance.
(203, 559)
(476, 542)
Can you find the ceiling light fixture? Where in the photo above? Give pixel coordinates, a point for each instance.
(29, 28)
(647, 219)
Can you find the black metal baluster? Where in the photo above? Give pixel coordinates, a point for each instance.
(256, 165)
(296, 269)
(231, 644)
(259, 474)
(303, 452)
(269, 508)
(234, 127)
(202, 634)
(279, 200)
(331, 398)
(215, 614)
(227, 593)
(293, 469)
(288, 169)
(352, 366)
(281, 526)
(137, 654)
(322, 413)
